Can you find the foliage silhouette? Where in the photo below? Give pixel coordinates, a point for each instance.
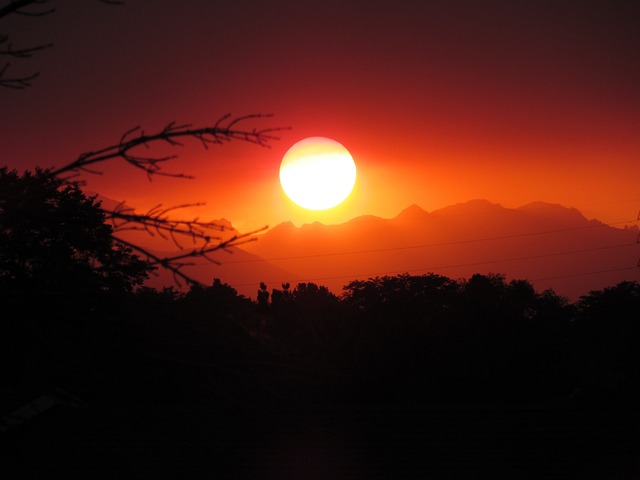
(56, 245)
(607, 357)
(422, 339)
(307, 314)
(525, 361)
(472, 340)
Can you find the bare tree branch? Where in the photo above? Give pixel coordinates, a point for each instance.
(18, 83)
(176, 263)
(27, 8)
(21, 52)
(222, 131)
(204, 236)
(156, 221)
(17, 7)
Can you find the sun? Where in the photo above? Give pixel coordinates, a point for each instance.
(317, 173)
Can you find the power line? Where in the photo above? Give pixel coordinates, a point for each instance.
(583, 274)
(474, 264)
(426, 245)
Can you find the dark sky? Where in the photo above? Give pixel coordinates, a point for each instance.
(438, 101)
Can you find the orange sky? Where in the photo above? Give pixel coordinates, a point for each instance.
(438, 102)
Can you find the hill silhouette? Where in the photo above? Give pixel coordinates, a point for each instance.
(551, 245)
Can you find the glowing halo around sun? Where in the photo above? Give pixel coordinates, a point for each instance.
(317, 173)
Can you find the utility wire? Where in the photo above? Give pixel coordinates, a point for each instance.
(474, 264)
(413, 247)
(584, 274)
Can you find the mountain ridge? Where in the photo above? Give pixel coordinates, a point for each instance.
(538, 241)
(551, 245)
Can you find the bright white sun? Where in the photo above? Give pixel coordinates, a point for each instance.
(317, 173)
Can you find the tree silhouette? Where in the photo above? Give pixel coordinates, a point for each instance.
(478, 339)
(203, 236)
(263, 298)
(307, 314)
(62, 277)
(55, 243)
(403, 296)
(607, 360)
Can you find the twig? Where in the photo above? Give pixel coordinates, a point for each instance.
(18, 83)
(222, 131)
(175, 264)
(156, 221)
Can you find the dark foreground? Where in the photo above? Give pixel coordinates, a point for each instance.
(321, 442)
(402, 377)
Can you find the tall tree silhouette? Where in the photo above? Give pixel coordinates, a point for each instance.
(55, 243)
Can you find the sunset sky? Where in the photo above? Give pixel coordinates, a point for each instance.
(439, 102)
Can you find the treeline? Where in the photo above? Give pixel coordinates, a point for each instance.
(392, 339)
(74, 315)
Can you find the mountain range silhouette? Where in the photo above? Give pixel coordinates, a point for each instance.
(553, 246)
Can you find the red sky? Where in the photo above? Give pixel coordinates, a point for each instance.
(439, 102)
